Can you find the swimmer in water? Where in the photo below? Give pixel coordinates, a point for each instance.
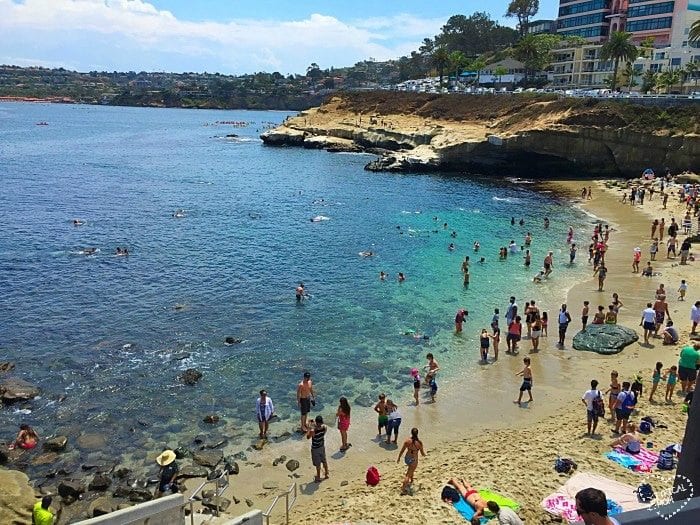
(482, 260)
(537, 279)
(300, 292)
(401, 277)
(476, 246)
(366, 254)
(451, 247)
(89, 251)
(382, 276)
(453, 234)
(78, 222)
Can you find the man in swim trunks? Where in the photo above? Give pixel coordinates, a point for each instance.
(470, 495)
(381, 409)
(431, 368)
(548, 264)
(305, 398)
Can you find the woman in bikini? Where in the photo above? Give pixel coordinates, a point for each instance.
(26, 439)
(412, 446)
(470, 495)
(612, 392)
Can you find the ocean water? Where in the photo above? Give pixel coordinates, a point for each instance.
(103, 330)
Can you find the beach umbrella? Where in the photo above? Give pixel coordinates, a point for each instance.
(648, 173)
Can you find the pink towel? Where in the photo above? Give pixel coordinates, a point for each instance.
(646, 457)
(561, 505)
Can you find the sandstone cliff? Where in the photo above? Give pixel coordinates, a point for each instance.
(522, 135)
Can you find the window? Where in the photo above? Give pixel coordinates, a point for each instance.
(588, 32)
(582, 20)
(659, 56)
(648, 10)
(592, 5)
(675, 61)
(649, 24)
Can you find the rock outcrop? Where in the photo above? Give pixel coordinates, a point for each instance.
(604, 338)
(521, 135)
(16, 498)
(14, 389)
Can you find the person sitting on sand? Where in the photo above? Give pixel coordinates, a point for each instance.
(628, 439)
(26, 438)
(504, 515)
(470, 495)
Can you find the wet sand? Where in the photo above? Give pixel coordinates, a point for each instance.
(474, 430)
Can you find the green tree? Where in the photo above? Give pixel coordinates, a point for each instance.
(523, 10)
(694, 34)
(441, 59)
(618, 47)
(649, 80)
(458, 61)
(314, 72)
(474, 35)
(629, 74)
(478, 64)
(499, 72)
(646, 47)
(691, 72)
(535, 51)
(669, 78)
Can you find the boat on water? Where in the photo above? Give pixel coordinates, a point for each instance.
(42, 123)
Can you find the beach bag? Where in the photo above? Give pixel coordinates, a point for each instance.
(666, 460)
(372, 477)
(645, 493)
(599, 405)
(645, 427)
(564, 465)
(633, 447)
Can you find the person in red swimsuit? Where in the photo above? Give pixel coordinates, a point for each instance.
(27, 438)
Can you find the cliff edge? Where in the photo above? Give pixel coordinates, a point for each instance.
(518, 134)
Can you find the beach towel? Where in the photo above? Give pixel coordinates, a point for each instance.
(622, 497)
(467, 511)
(489, 495)
(643, 461)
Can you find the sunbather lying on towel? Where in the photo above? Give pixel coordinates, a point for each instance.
(470, 495)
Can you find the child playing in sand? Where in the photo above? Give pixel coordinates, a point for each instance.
(526, 372)
(655, 380)
(612, 393)
(682, 289)
(381, 409)
(671, 379)
(416, 384)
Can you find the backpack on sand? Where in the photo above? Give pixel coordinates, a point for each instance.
(564, 465)
(372, 478)
(645, 493)
(666, 460)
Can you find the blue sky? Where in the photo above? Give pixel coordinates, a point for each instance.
(227, 36)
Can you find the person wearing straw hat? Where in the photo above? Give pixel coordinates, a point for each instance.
(168, 473)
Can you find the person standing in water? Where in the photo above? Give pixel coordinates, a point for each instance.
(412, 446)
(300, 293)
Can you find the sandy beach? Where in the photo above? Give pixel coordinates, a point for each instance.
(476, 431)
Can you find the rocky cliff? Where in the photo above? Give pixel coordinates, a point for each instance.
(522, 135)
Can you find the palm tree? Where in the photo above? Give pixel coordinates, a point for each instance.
(477, 65)
(441, 59)
(668, 79)
(499, 72)
(694, 34)
(649, 80)
(458, 62)
(691, 71)
(618, 47)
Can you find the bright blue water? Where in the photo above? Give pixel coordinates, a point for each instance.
(233, 261)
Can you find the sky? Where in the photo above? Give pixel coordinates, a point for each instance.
(225, 36)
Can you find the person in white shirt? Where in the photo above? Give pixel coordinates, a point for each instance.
(695, 316)
(648, 322)
(587, 399)
(263, 411)
(504, 515)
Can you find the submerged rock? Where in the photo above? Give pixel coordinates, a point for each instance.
(191, 376)
(100, 482)
(211, 419)
(56, 444)
(71, 489)
(7, 366)
(604, 338)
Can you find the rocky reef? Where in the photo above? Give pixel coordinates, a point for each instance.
(520, 135)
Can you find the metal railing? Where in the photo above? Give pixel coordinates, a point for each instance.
(222, 482)
(287, 504)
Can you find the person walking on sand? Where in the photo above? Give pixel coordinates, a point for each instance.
(526, 374)
(412, 447)
(317, 435)
(654, 249)
(264, 409)
(655, 380)
(564, 320)
(626, 402)
(602, 273)
(694, 317)
(688, 366)
(584, 315)
(591, 413)
(671, 380)
(343, 416)
(305, 398)
(682, 290)
(662, 229)
(660, 312)
(648, 322)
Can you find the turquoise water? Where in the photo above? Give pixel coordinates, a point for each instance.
(103, 329)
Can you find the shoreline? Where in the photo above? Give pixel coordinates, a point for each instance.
(504, 456)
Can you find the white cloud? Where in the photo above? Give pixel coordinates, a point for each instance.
(134, 34)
